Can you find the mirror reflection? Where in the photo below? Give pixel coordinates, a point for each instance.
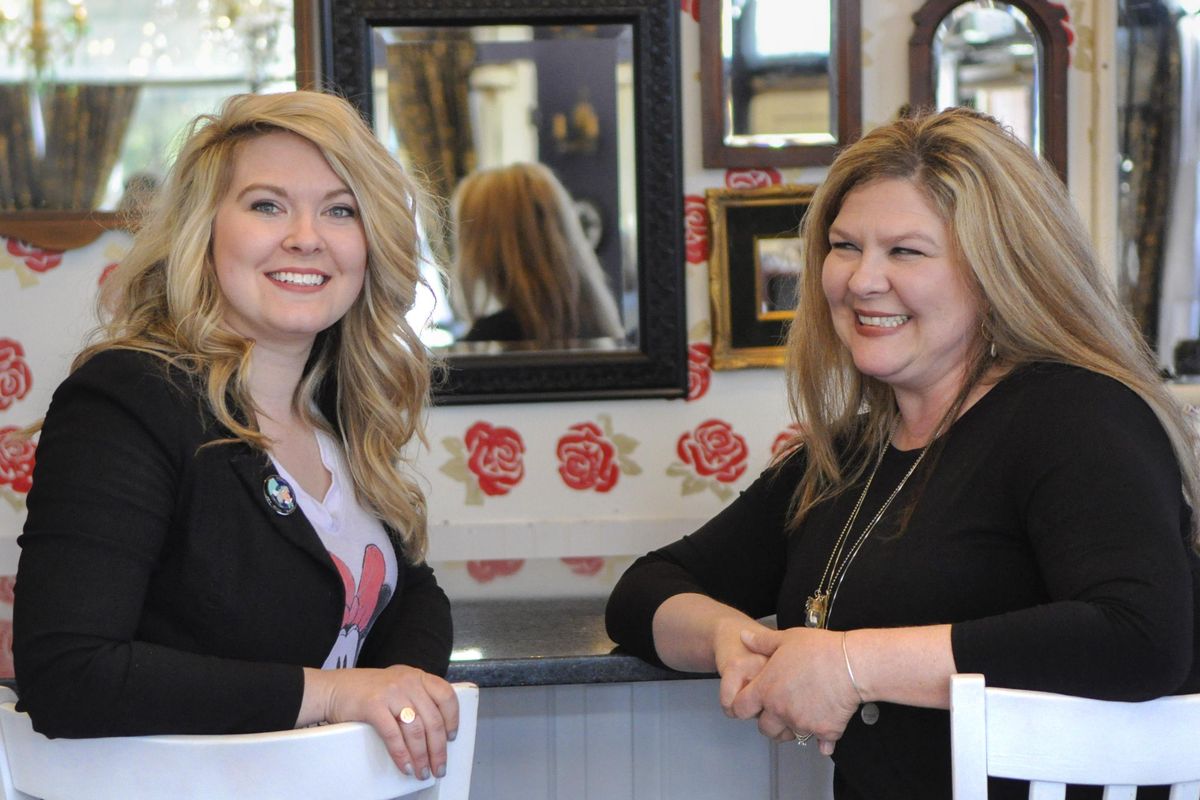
(94, 92)
(531, 160)
(778, 262)
(776, 73)
(986, 56)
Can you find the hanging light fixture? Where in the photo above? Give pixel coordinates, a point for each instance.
(45, 34)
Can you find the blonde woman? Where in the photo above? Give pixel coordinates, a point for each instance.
(523, 268)
(991, 477)
(223, 536)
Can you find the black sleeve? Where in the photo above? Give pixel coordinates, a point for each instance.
(108, 463)
(415, 628)
(737, 558)
(1100, 491)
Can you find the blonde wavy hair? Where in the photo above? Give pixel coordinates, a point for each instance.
(519, 242)
(164, 299)
(1028, 260)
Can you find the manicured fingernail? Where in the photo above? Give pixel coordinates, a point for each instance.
(408, 770)
(441, 771)
(424, 773)
(452, 735)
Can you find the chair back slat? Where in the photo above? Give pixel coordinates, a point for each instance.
(1186, 791)
(1120, 793)
(1058, 739)
(328, 761)
(1047, 790)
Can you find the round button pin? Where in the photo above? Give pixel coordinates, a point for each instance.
(279, 494)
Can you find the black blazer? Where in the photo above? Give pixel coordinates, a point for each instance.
(157, 590)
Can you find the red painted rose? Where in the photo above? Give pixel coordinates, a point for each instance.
(695, 219)
(15, 377)
(6, 658)
(752, 178)
(485, 571)
(584, 565)
(7, 582)
(690, 7)
(699, 370)
(16, 460)
(586, 458)
(36, 258)
(784, 442)
(714, 450)
(495, 456)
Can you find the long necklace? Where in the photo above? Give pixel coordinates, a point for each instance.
(820, 603)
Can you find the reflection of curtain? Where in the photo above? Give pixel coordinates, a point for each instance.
(18, 177)
(1179, 312)
(1149, 125)
(427, 96)
(85, 125)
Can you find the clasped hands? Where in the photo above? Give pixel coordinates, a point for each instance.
(794, 681)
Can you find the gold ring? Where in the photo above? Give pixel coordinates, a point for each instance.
(803, 740)
(407, 715)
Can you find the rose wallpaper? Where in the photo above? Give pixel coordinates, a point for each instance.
(542, 499)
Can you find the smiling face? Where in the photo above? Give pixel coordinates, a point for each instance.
(897, 293)
(288, 246)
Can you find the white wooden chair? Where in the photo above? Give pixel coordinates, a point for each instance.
(1053, 739)
(327, 762)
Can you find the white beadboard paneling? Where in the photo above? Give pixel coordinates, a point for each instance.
(663, 740)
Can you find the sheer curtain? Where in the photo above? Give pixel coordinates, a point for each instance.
(1179, 309)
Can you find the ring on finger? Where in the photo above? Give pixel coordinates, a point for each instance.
(407, 715)
(802, 738)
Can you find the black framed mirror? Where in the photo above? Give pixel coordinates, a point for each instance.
(1008, 59)
(781, 81)
(587, 92)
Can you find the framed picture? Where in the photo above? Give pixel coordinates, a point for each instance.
(757, 260)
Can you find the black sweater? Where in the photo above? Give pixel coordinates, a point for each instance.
(158, 591)
(1050, 529)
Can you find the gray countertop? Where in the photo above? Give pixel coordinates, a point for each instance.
(540, 642)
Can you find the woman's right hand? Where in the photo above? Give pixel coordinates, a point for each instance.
(736, 663)
(414, 712)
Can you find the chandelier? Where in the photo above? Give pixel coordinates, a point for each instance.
(45, 35)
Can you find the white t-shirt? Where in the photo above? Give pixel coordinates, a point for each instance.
(358, 545)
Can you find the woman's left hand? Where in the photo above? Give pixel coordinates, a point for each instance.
(804, 687)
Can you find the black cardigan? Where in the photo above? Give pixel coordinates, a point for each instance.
(157, 590)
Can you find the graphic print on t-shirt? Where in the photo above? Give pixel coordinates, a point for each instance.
(363, 604)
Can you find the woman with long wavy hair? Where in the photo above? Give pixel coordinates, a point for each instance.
(223, 534)
(523, 268)
(990, 476)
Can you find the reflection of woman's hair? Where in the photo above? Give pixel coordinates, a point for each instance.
(1028, 259)
(164, 298)
(520, 244)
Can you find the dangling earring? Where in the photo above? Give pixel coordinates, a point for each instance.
(984, 333)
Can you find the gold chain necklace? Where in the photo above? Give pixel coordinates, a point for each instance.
(820, 603)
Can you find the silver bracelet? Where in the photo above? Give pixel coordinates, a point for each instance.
(850, 670)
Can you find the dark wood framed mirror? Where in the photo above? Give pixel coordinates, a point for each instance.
(122, 27)
(781, 82)
(585, 91)
(1008, 59)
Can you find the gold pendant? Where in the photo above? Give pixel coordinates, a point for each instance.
(815, 608)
